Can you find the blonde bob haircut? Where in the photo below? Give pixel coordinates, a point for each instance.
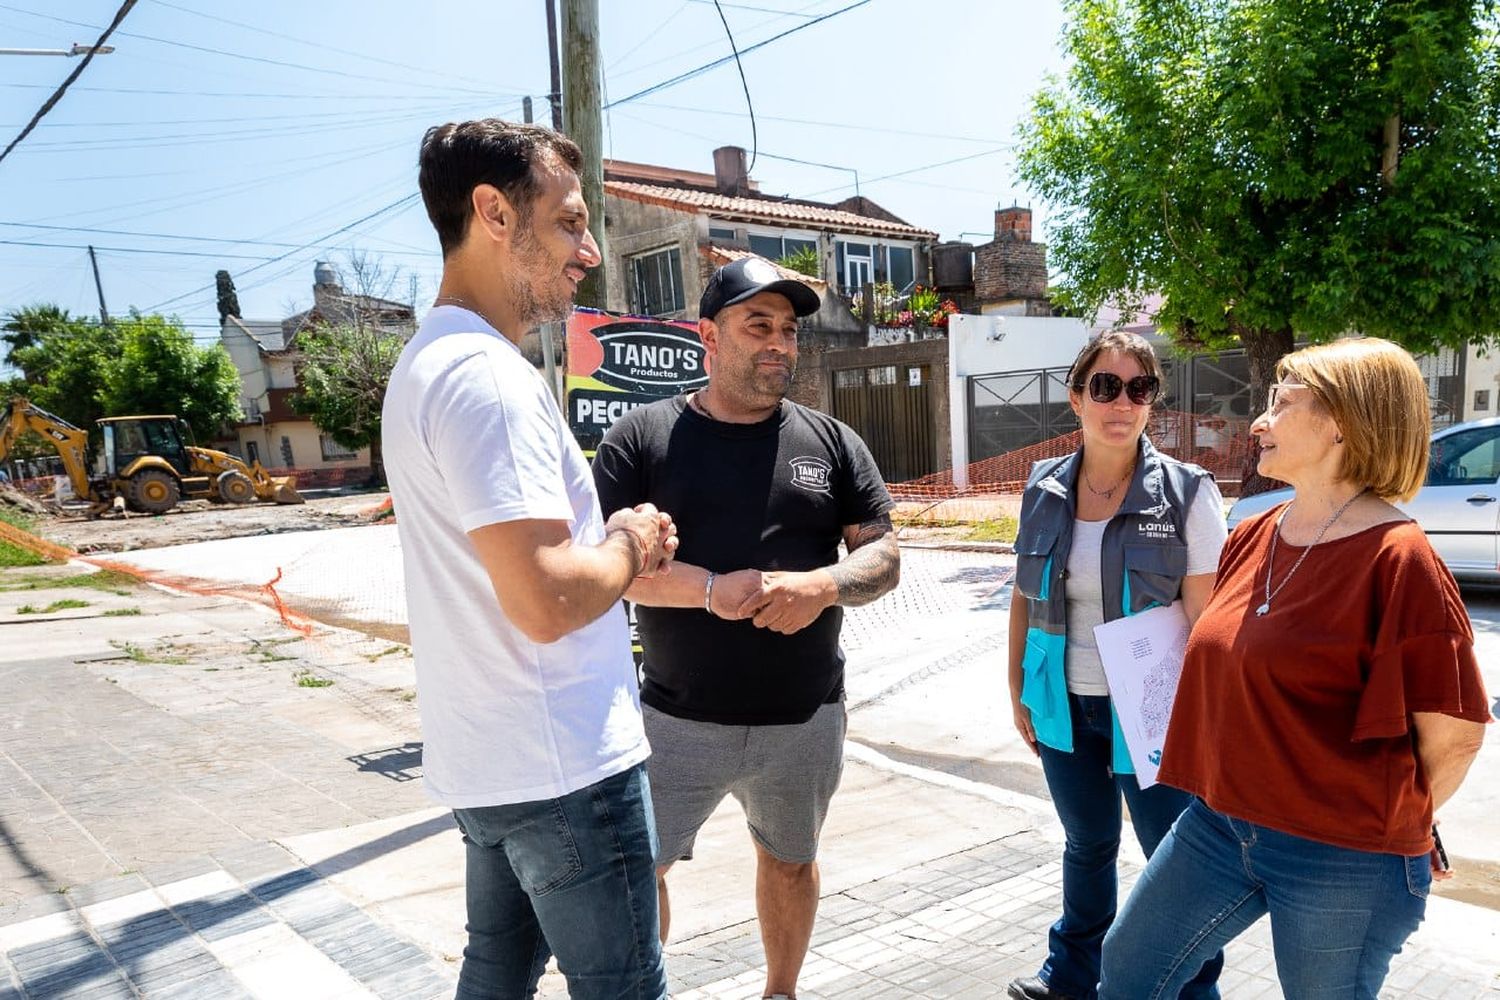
(1378, 398)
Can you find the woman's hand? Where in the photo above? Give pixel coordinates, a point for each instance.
(1022, 716)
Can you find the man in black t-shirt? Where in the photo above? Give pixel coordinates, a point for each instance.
(743, 676)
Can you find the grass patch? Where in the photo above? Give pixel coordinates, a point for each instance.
(140, 654)
(122, 612)
(307, 679)
(1000, 529)
(110, 580)
(266, 652)
(372, 657)
(14, 555)
(66, 604)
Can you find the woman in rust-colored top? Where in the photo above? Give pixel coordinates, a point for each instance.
(1329, 703)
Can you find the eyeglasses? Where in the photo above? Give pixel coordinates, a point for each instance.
(1105, 387)
(1276, 389)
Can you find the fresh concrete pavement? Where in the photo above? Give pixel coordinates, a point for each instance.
(189, 810)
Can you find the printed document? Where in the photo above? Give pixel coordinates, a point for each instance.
(1142, 657)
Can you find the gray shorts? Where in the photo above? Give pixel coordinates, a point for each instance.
(783, 777)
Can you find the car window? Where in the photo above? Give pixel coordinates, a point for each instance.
(1467, 458)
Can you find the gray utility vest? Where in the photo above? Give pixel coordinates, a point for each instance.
(1144, 558)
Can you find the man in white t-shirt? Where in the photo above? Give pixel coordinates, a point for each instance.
(530, 712)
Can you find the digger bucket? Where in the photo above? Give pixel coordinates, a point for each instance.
(284, 490)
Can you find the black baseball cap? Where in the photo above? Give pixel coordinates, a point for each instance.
(749, 276)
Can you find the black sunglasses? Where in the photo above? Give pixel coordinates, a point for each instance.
(1104, 387)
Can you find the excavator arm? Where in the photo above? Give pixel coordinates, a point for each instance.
(72, 443)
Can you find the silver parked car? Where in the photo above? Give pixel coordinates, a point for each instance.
(1458, 506)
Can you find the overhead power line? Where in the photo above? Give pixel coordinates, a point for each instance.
(398, 203)
(224, 53)
(77, 70)
(749, 105)
(683, 77)
(321, 46)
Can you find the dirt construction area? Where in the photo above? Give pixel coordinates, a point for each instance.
(194, 521)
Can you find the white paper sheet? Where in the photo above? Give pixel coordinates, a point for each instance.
(1142, 657)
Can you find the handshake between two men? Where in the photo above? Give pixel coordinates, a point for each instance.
(784, 602)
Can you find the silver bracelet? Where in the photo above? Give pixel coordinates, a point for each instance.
(708, 593)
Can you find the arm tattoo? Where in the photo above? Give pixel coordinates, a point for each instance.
(873, 565)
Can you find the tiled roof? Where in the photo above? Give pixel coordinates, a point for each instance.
(777, 211)
(728, 255)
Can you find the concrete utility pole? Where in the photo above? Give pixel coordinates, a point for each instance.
(582, 123)
(99, 287)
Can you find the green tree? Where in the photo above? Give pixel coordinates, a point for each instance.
(343, 372)
(158, 369)
(65, 368)
(28, 326)
(1278, 168)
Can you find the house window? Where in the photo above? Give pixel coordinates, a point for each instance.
(658, 282)
(777, 247)
(333, 451)
(1481, 399)
(848, 378)
(858, 267)
(884, 375)
(768, 247)
(902, 274)
(717, 233)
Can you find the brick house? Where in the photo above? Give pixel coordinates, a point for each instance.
(669, 229)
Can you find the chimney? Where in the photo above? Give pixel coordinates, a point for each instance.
(730, 175)
(1013, 225)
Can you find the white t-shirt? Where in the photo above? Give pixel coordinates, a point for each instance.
(472, 437)
(1204, 532)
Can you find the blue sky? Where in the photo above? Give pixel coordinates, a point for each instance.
(229, 134)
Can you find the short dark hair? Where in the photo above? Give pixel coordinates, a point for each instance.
(459, 156)
(1132, 344)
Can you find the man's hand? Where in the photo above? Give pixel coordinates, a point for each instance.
(654, 535)
(732, 591)
(789, 602)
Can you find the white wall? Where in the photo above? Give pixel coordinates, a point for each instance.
(245, 354)
(988, 345)
(1481, 373)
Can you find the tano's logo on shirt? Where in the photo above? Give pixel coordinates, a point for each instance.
(810, 473)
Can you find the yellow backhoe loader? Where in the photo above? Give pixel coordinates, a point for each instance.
(144, 460)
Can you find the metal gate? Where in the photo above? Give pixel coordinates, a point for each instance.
(892, 408)
(1016, 410)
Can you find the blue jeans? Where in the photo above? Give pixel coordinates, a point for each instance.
(1337, 915)
(1087, 796)
(573, 876)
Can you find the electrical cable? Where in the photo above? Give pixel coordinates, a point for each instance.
(77, 71)
(683, 77)
(319, 45)
(398, 203)
(256, 59)
(760, 10)
(754, 136)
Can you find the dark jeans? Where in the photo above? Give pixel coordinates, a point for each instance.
(1087, 796)
(574, 877)
(1338, 916)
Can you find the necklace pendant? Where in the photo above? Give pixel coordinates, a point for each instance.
(1261, 611)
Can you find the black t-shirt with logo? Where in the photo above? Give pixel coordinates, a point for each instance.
(774, 495)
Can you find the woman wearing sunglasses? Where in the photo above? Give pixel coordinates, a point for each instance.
(1108, 531)
(1329, 702)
